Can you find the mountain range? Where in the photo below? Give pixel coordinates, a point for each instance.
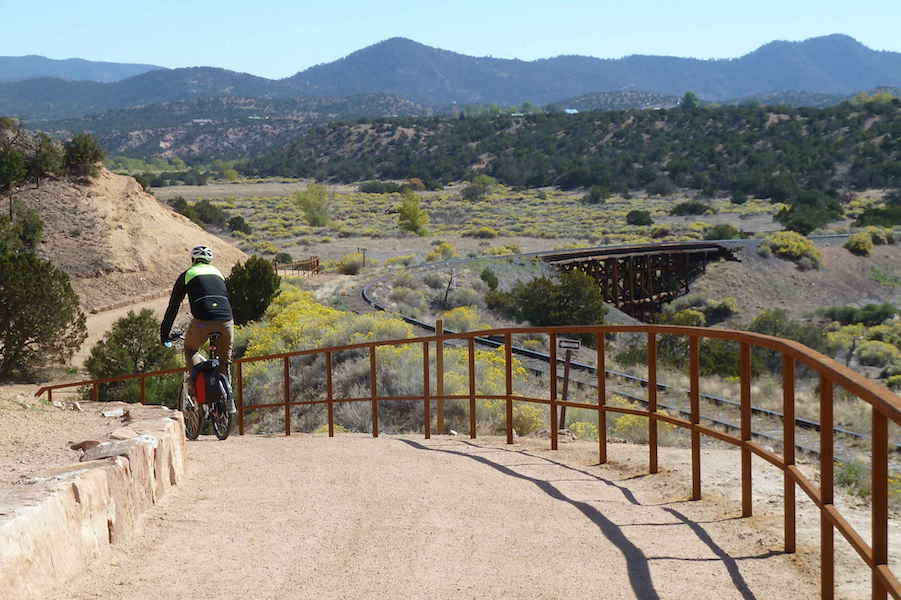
(834, 64)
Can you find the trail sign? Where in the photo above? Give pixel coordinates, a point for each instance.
(565, 344)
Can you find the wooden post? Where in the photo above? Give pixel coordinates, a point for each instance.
(95, 392)
(827, 533)
(879, 492)
(50, 396)
(286, 385)
(508, 378)
(472, 388)
(601, 376)
(788, 449)
(373, 391)
(566, 360)
(439, 375)
(240, 398)
(652, 401)
(143, 393)
(329, 394)
(426, 392)
(695, 400)
(552, 373)
(746, 491)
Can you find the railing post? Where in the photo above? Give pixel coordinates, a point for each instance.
(508, 378)
(439, 375)
(426, 392)
(329, 394)
(472, 388)
(143, 392)
(652, 401)
(788, 449)
(49, 396)
(879, 492)
(373, 391)
(95, 392)
(601, 374)
(695, 400)
(240, 398)
(746, 495)
(827, 534)
(286, 385)
(552, 373)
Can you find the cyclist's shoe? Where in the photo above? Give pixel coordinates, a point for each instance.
(229, 397)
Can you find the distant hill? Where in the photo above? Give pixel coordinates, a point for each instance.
(17, 68)
(830, 64)
(834, 64)
(753, 150)
(224, 126)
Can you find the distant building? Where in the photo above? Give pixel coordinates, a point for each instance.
(201, 121)
(571, 111)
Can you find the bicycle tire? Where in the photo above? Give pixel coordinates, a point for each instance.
(192, 413)
(221, 418)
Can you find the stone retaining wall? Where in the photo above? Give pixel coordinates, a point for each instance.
(71, 515)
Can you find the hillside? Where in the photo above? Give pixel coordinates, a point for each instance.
(116, 242)
(17, 68)
(750, 150)
(835, 64)
(759, 283)
(224, 126)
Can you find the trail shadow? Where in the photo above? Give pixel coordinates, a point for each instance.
(638, 564)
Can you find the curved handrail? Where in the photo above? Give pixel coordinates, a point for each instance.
(886, 408)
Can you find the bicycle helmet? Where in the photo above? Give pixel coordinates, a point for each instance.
(201, 254)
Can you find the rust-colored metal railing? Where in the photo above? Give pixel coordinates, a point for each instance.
(886, 408)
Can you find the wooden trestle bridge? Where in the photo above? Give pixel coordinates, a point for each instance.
(640, 279)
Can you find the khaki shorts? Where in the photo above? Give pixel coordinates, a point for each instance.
(197, 334)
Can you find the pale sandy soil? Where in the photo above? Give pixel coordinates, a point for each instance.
(404, 517)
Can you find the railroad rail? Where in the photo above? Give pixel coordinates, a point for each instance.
(544, 357)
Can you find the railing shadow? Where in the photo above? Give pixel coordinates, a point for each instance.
(638, 563)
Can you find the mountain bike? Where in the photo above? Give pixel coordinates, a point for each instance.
(212, 395)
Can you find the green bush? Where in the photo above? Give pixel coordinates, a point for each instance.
(315, 202)
(463, 318)
(489, 278)
(350, 264)
(575, 300)
(893, 383)
(792, 246)
(252, 286)
(880, 235)
(132, 345)
(692, 207)
(410, 215)
(82, 155)
(874, 353)
(870, 314)
(485, 233)
(596, 195)
(237, 223)
(860, 244)
(40, 316)
(639, 217)
(722, 232)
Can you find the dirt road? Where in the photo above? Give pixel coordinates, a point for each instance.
(403, 517)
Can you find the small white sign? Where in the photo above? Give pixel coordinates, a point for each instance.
(565, 344)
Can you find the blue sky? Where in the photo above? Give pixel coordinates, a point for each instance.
(277, 38)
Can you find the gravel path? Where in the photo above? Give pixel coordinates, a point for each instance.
(403, 517)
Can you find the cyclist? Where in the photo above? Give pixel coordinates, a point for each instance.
(211, 309)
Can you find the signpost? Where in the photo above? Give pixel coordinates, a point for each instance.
(569, 346)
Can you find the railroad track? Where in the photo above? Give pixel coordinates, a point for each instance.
(800, 422)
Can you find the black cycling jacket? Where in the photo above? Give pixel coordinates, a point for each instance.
(205, 287)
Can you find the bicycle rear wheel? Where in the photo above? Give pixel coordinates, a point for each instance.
(222, 419)
(192, 413)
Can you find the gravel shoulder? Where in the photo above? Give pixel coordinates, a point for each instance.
(403, 517)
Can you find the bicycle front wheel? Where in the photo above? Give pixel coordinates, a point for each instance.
(222, 419)
(192, 413)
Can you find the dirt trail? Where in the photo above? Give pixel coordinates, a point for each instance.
(403, 517)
